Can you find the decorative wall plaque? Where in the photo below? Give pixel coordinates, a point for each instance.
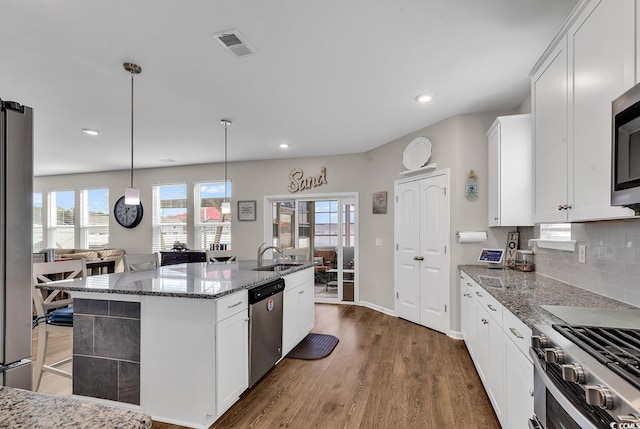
(380, 202)
(297, 181)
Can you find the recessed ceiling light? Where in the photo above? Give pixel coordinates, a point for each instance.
(283, 145)
(423, 98)
(90, 131)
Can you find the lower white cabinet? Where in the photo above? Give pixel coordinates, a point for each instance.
(298, 314)
(232, 363)
(519, 387)
(497, 342)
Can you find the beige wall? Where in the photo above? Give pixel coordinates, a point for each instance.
(459, 143)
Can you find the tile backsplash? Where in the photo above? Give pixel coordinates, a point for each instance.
(612, 265)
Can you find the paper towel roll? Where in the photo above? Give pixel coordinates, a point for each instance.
(472, 236)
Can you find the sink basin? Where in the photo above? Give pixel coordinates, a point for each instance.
(277, 267)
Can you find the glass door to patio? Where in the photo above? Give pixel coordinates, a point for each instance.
(327, 227)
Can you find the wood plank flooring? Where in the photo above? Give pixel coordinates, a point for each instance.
(384, 373)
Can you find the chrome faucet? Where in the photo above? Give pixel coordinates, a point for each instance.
(261, 251)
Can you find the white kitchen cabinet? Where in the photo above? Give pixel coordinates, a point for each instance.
(549, 104)
(510, 176)
(232, 365)
(572, 92)
(519, 387)
(298, 312)
(498, 342)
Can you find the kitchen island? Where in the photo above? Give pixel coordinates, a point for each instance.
(172, 342)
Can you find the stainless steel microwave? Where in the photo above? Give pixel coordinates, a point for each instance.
(625, 146)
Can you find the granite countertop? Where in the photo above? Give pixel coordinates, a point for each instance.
(193, 280)
(524, 294)
(24, 409)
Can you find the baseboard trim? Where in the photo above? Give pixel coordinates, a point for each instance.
(456, 335)
(377, 308)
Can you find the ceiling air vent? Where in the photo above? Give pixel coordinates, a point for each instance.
(234, 42)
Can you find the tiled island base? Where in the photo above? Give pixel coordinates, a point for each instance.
(106, 350)
(24, 409)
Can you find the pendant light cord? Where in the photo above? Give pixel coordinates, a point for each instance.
(225, 162)
(132, 74)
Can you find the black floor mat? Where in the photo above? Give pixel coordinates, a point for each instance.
(314, 346)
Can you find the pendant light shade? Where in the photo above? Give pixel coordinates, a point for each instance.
(226, 205)
(131, 194)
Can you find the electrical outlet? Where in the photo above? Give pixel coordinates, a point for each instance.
(582, 254)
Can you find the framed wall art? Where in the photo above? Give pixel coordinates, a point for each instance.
(247, 210)
(380, 202)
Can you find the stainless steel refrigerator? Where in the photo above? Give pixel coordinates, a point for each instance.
(16, 205)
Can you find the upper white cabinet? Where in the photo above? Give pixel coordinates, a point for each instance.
(572, 89)
(510, 178)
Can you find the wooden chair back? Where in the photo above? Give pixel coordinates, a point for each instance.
(221, 256)
(46, 272)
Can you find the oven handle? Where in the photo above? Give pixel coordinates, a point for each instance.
(566, 405)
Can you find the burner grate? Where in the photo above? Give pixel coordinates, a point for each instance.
(619, 349)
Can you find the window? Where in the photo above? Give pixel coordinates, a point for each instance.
(211, 226)
(326, 223)
(169, 216)
(61, 233)
(555, 231)
(38, 218)
(94, 218)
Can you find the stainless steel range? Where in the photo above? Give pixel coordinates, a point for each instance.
(586, 376)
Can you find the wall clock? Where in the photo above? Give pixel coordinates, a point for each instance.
(127, 216)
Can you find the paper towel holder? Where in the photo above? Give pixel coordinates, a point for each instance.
(458, 232)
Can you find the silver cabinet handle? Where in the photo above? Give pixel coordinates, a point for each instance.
(495, 218)
(484, 321)
(469, 284)
(301, 292)
(418, 258)
(515, 333)
(531, 392)
(479, 294)
(491, 307)
(235, 305)
(561, 207)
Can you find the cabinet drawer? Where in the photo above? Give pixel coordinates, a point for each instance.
(516, 331)
(232, 304)
(494, 308)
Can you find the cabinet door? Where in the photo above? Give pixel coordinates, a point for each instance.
(290, 320)
(519, 388)
(494, 176)
(549, 101)
(306, 316)
(232, 363)
(495, 370)
(464, 311)
(602, 68)
(480, 341)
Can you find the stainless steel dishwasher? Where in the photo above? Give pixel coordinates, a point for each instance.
(265, 328)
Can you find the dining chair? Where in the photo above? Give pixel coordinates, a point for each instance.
(296, 255)
(144, 261)
(54, 312)
(221, 256)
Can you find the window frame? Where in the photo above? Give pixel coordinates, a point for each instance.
(199, 225)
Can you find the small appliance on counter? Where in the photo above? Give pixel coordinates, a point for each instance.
(524, 260)
(493, 257)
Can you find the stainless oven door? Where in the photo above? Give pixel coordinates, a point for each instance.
(553, 410)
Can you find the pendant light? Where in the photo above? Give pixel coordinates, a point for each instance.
(226, 205)
(131, 194)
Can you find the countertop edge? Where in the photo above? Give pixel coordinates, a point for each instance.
(71, 286)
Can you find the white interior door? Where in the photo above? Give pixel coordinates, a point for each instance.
(407, 220)
(422, 264)
(434, 267)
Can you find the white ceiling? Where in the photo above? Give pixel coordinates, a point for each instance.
(329, 77)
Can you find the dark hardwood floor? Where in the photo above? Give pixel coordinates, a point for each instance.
(384, 373)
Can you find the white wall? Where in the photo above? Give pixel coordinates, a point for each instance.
(459, 143)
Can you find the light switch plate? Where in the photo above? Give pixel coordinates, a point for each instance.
(379, 242)
(582, 254)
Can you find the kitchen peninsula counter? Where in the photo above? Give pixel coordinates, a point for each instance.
(525, 293)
